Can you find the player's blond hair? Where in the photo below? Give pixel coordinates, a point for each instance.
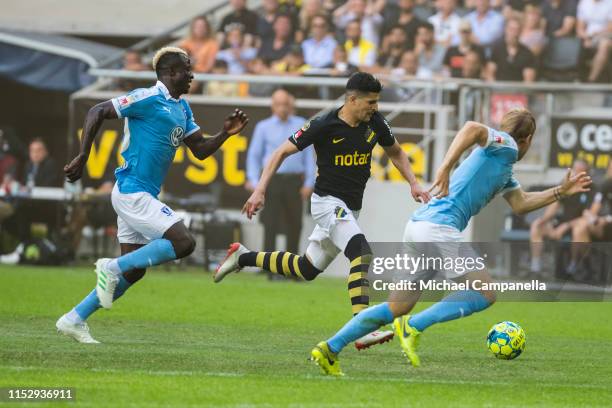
(518, 123)
(167, 50)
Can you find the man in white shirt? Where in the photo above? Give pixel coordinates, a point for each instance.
(446, 23)
(594, 28)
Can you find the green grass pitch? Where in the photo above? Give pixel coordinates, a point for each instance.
(178, 339)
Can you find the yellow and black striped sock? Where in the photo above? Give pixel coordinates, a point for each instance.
(358, 284)
(281, 263)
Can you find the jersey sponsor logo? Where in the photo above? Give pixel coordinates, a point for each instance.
(335, 141)
(354, 159)
(166, 210)
(176, 136)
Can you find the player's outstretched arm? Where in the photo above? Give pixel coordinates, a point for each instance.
(468, 136)
(202, 147)
(400, 160)
(93, 121)
(257, 198)
(522, 202)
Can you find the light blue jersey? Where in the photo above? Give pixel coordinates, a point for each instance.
(485, 173)
(155, 126)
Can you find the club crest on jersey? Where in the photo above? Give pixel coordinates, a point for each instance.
(176, 136)
(340, 212)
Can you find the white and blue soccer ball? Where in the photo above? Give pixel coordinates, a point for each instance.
(506, 340)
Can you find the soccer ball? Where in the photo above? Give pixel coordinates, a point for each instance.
(506, 340)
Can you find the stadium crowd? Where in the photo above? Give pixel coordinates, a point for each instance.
(493, 40)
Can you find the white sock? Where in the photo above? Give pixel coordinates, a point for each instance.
(113, 266)
(536, 264)
(73, 317)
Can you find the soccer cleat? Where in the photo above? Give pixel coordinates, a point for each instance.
(371, 339)
(326, 360)
(106, 284)
(230, 263)
(78, 331)
(409, 339)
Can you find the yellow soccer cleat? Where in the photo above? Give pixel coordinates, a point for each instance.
(409, 339)
(324, 358)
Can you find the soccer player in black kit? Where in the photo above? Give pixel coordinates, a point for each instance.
(343, 140)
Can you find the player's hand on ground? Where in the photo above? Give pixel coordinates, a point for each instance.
(253, 204)
(74, 169)
(439, 188)
(419, 194)
(235, 122)
(577, 183)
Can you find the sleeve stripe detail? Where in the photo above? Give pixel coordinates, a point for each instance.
(115, 102)
(192, 131)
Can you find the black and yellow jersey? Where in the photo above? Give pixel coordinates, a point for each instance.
(344, 153)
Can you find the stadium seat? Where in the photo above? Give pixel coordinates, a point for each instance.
(561, 59)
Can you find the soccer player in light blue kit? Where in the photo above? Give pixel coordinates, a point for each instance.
(157, 121)
(486, 172)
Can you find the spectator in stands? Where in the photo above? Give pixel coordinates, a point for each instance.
(394, 46)
(472, 66)
(361, 52)
(236, 53)
(222, 88)
(454, 59)
(292, 64)
(595, 223)
(487, 24)
(408, 66)
(516, 8)
(430, 53)
(132, 61)
(560, 17)
(558, 219)
(293, 182)
(242, 16)
(406, 19)
(367, 13)
(269, 11)
(310, 9)
(341, 66)
(278, 46)
(511, 60)
(41, 170)
(594, 28)
(446, 23)
(201, 45)
(532, 35)
(319, 47)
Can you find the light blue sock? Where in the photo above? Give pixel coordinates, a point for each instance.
(154, 253)
(91, 303)
(458, 304)
(365, 322)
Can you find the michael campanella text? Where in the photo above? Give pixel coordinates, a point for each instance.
(534, 285)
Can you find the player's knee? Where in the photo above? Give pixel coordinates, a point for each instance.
(490, 295)
(307, 269)
(134, 275)
(357, 246)
(184, 246)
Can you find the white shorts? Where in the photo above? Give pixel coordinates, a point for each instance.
(336, 225)
(450, 245)
(141, 217)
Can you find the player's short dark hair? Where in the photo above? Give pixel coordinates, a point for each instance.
(363, 82)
